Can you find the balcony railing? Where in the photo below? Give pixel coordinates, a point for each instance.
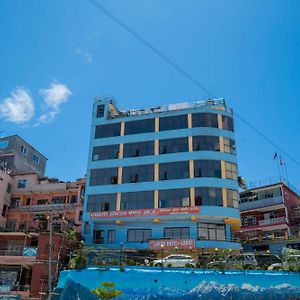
(18, 251)
(272, 221)
(46, 207)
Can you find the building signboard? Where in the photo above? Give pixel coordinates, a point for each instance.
(171, 244)
(152, 212)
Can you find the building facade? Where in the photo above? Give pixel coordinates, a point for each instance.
(36, 204)
(162, 177)
(19, 157)
(270, 217)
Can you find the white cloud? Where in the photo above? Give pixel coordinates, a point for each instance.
(56, 95)
(53, 97)
(18, 108)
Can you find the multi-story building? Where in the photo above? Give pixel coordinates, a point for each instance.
(162, 177)
(19, 157)
(5, 190)
(35, 205)
(270, 217)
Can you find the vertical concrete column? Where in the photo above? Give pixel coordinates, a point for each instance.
(118, 204)
(224, 195)
(156, 199)
(192, 196)
(191, 162)
(221, 142)
(220, 124)
(121, 147)
(223, 169)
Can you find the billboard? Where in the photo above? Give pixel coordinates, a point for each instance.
(151, 212)
(171, 244)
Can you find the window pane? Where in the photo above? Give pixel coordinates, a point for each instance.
(229, 146)
(103, 202)
(103, 131)
(227, 123)
(105, 152)
(173, 123)
(138, 149)
(175, 170)
(208, 196)
(208, 143)
(140, 126)
(173, 145)
(174, 198)
(209, 231)
(137, 200)
(139, 235)
(205, 120)
(104, 176)
(207, 168)
(140, 173)
(177, 233)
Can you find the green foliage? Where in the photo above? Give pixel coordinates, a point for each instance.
(107, 291)
(188, 265)
(169, 265)
(79, 259)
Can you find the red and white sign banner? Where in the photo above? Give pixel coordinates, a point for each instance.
(171, 244)
(152, 212)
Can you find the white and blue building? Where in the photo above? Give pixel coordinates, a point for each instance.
(164, 176)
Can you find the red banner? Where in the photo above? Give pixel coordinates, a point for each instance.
(171, 244)
(152, 212)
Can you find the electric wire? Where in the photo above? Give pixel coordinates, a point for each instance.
(185, 74)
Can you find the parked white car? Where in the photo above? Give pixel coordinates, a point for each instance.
(289, 262)
(175, 260)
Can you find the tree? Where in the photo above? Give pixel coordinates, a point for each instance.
(107, 291)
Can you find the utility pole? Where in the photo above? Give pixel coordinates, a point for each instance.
(50, 258)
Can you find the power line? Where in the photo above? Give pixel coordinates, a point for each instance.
(184, 73)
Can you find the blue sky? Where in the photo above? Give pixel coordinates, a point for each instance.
(56, 56)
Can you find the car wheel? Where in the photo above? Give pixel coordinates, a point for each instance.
(158, 265)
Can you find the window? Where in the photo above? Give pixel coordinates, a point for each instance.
(28, 201)
(8, 189)
(177, 233)
(137, 200)
(174, 170)
(104, 176)
(73, 199)
(24, 150)
(4, 210)
(80, 215)
(173, 123)
(268, 194)
(98, 237)
(249, 220)
(207, 231)
(232, 198)
(205, 120)
(22, 183)
(207, 168)
(105, 152)
(231, 170)
(229, 146)
(35, 159)
(138, 149)
(173, 145)
(111, 236)
(3, 144)
(109, 130)
(14, 202)
(140, 173)
(139, 235)
(11, 225)
(58, 200)
(206, 142)
(174, 198)
(100, 111)
(42, 201)
(208, 196)
(140, 126)
(227, 123)
(104, 202)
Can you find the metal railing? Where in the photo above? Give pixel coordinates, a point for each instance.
(272, 221)
(18, 251)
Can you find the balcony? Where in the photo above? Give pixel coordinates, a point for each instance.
(260, 203)
(46, 207)
(272, 221)
(18, 251)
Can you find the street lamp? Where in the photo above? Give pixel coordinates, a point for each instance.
(121, 252)
(162, 254)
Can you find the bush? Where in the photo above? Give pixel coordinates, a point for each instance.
(169, 265)
(107, 291)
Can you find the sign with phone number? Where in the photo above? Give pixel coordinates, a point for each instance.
(171, 244)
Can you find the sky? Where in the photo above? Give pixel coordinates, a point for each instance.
(56, 56)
